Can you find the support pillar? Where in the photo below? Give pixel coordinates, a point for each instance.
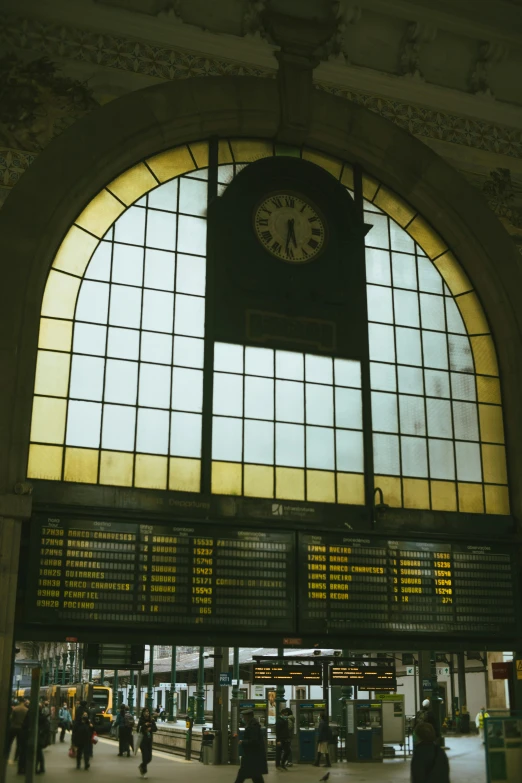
(516, 689)
(115, 694)
(80, 664)
(200, 691)
(280, 689)
(150, 687)
(131, 692)
(71, 666)
(496, 691)
(461, 678)
(346, 690)
(235, 675)
(64, 669)
(102, 676)
(173, 674)
(56, 669)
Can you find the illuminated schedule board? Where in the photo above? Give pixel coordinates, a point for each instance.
(398, 586)
(288, 674)
(122, 573)
(367, 678)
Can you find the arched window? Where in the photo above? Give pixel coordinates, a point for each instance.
(119, 380)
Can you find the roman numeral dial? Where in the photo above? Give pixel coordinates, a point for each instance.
(290, 227)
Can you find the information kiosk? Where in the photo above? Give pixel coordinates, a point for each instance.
(364, 730)
(304, 741)
(393, 720)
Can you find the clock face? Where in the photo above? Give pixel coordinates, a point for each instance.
(290, 227)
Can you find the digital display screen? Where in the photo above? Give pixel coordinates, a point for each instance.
(288, 674)
(118, 572)
(368, 678)
(395, 586)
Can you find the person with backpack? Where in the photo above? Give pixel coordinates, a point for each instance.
(124, 724)
(65, 720)
(429, 763)
(324, 737)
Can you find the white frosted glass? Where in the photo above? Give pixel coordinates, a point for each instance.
(369, 206)
(156, 348)
(227, 439)
(142, 202)
(225, 173)
(378, 266)
(435, 350)
(188, 351)
(199, 174)
(463, 386)
(318, 368)
(259, 398)
(187, 389)
(99, 267)
(406, 305)
(127, 264)
(86, 378)
(125, 306)
(190, 278)
(228, 357)
(319, 404)
(192, 235)
(408, 346)
(259, 361)
(109, 235)
(121, 382)
(119, 423)
(382, 377)
(185, 434)
(158, 311)
(404, 271)
(153, 431)
(165, 197)
(289, 401)
(89, 339)
(410, 380)
(348, 408)
(439, 418)
(386, 455)
(189, 315)
(161, 230)
(380, 306)
(228, 394)
(259, 442)
(414, 457)
(461, 358)
(465, 421)
(349, 451)
(290, 445)
(83, 424)
(378, 235)
(130, 227)
(289, 365)
(154, 385)
(468, 462)
(430, 279)
(382, 345)
(92, 303)
(123, 343)
(384, 412)
(192, 196)
(400, 239)
(159, 269)
(442, 459)
(412, 415)
(320, 448)
(432, 312)
(347, 372)
(437, 383)
(454, 318)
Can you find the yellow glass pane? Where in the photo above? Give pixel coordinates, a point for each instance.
(172, 163)
(472, 313)
(199, 151)
(394, 206)
(75, 251)
(131, 185)
(116, 468)
(453, 274)
(224, 153)
(494, 464)
(443, 496)
(226, 478)
(185, 474)
(369, 187)
(81, 465)
(491, 424)
(391, 489)
(350, 488)
(320, 486)
(416, 493)
(59, 299)
(150, 471)
(52, 373)
(471, 499)
(347, 176)
(48, 422)
(332, 165)
(45, 462)
(484, 355)
(248, 150)
(258, 481)
(100, 213)
(488, 389)
(55, 334)
(426, 237)
(290, 484)
(497, 500)
(285, 150)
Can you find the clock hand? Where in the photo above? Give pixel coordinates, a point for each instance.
(289, 230)
(292, 231)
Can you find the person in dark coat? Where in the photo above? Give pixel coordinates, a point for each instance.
(82, 740)
(429, 763)
(282, 729)
(43, 738)
(324, 737)
(253, 759)
(146, 727)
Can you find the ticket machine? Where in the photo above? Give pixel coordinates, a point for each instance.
(260, 707)
(364, 730)
(304, 741)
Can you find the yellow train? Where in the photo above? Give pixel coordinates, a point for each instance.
(73, 694)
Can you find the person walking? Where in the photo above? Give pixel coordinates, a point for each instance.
(253, 759)
(64, 720)
(429, 763)
(18, 714)
(291, 728)
(83, 731)
(282, 740)
(43, 738)
(146, 727)
(324, 736)
(119, 723)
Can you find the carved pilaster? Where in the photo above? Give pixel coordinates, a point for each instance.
(489, 53)
(416, 36)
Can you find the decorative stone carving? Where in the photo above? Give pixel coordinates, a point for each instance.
(500, 194)
(172, 13)
(252, 23)
(489, 53)
(416, 35)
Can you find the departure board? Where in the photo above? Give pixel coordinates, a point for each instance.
(287, 674)
(369, 678)
(118, 572)
(398, 586)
